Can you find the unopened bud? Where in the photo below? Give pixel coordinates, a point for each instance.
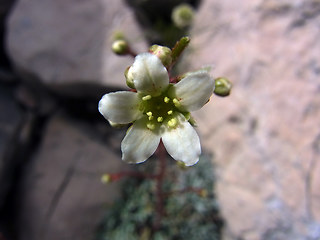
(182, 15)
(120, 47)
(129, 78)
(106, 178)
(179, 47)
(163, 53)
(222, 87)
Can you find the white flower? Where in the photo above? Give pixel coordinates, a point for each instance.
(158, 110)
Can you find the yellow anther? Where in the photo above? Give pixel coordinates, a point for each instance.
(147, 97)
(149, 114)
(173, 122)
(151, 126)
(166, 99)
(160, 119)
(176, 102)
(170, 112)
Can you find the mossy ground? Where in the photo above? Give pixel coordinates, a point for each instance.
(189, 215)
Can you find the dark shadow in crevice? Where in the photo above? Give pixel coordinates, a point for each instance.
(154, 17)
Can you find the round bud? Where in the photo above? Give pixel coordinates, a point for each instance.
(106, 178)
(120, 47)
(222, 87)
(182, 15)
(129, 78)
(163, 53)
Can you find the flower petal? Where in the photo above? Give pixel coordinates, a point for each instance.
(193, 91)
(139, 143)
(120, 107)
(149, 74)
(182, 142)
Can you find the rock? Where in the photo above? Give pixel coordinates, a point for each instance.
(266, 135)
(61, 195)
(10, 123)
(67, 44)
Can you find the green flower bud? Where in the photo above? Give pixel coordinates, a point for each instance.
(120, 47)
(222, 87)
(106, 178)
(179, 47)
(163, 53)
(129, 78)
(182, 15)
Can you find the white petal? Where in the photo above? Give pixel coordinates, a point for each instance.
(193, 91)
(149, 74)
(182, 142)
(120, 107)
(139, 143)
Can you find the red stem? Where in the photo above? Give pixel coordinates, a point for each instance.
(159, 185)
(119, 175)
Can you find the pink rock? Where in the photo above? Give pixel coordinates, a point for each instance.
(265, 136)
(65, 43)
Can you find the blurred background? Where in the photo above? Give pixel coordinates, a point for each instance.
(56, 63)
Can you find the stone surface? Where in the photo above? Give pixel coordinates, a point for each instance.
(61, 194)
(10, 123)
(265, 136)
(68, 43)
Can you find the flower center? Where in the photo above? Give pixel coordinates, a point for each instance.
(160, 110)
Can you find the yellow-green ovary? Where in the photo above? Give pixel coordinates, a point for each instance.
(160, 110)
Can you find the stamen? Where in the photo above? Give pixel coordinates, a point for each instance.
(166, 99)
(173, 122)
(160, 119)
(151, 126)
(149, 114)
(147, 97)
(176, 102)
(170, 112)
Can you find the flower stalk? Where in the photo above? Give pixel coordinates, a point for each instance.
(162, 155)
